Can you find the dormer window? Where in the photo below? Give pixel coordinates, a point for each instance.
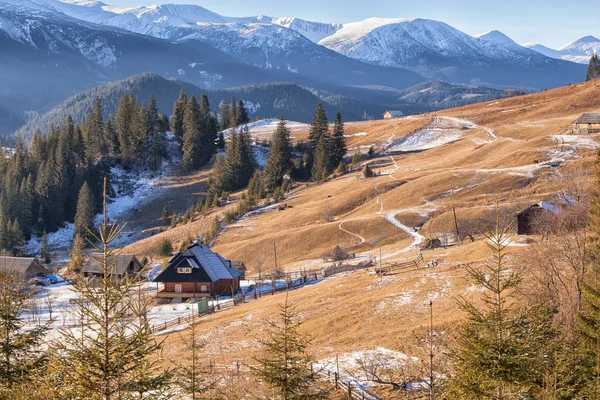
(184, 270)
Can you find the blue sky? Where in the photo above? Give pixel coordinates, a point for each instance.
(549, 22)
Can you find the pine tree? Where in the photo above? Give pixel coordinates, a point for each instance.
(221, 142)
(209, 130)
(233, 114)
(224, 119)
(22, 356)
(94, 131)
(319, 127)
(179, 109)
(165, 213)
(111, 139)
(76, 256)
(256, 186)
(155, 134)
(338, 149)
(192, 375)
(279, 161)
(191, 136)
(45, 250)
(498, 352)
(84, 218)
(589, 329)
(242, 114)
(356, 159)
(110, 354)
(593, 71)
(285, 365)
(124, 130)
(321, 161)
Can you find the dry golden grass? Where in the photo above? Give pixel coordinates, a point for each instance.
(473, 174)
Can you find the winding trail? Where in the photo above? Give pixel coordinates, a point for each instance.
(362, 239)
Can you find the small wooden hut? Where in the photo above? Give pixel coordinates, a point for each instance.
(587, 123)
(393, 114)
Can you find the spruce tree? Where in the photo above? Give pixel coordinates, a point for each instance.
(498, 353)
(179, 109)
(191, 136)
(94, 131)
(123, 119)
(22, 356)
(84, 217)
(209, 130)
(256, 186)
(224, 119)
(76, 256)
(285, 365)
(242, 114)
(356, 159)
(45, 250)
(279, 161)
(111, 353)
(319, 127)
(593, 71)
(320, 168)
(338, 149)
(589, 329)
(233, 114)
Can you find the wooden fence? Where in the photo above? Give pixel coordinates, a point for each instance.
(353, 390)
(395, 268)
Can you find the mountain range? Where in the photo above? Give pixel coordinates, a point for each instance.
(578, 51)
(54, 49)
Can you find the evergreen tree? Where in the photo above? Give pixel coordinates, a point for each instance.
(179, 109)
(233, 114)
(94, 131)
(279, 161)
(155, 134)
(191, 136)
(22, 356)
(356, 159)
(224, 118)
(123, 118)
(285, 365)
(498, 352)
(84, 218)
(111, 139)
(256, 186)
(45, 250)
(593, 71)
(338, 149)
(242, 114)
(319, 127)
(320, 168)
(111, 353)
(221, 142)
(217, 182)
(209, 130)
(76, 256)
(589, 329)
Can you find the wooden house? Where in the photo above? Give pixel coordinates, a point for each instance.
(530, 220)
(198, 272)
(587, 123)
(28, 267)
(120, 265)
(393, 114)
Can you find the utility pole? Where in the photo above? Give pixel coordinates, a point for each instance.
(456, 226)
(431, 383)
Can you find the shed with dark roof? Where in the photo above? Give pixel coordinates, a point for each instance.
(198, 272)
(587, 123)
(29, 267)
(119, 264)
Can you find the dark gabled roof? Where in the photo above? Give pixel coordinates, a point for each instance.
(120, 261)
(588, 118)
(22, 265)
(542, 205)
(206, 265)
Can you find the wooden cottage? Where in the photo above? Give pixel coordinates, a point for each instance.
(121, 265)
(587, 123)
(531, 220)
(393, 114)
(28, 267)
(198, 272)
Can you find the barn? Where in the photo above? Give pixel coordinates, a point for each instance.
(198, 272)
(122, 264)
(587, 123)
(393, 114)
(528, 220)
(29, 267)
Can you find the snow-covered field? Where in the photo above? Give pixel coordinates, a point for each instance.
(265, 127)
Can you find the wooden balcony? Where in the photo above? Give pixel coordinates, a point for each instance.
(162, 294)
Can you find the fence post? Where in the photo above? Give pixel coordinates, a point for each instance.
(349, 390)
(237, 367)
(336, 379)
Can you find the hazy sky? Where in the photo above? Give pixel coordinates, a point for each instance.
(549, 22)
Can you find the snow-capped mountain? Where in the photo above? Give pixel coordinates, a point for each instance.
(314, 31)
(578, 51)
(440, 51)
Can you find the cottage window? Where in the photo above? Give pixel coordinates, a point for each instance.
(184, 270)
(203, 288)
